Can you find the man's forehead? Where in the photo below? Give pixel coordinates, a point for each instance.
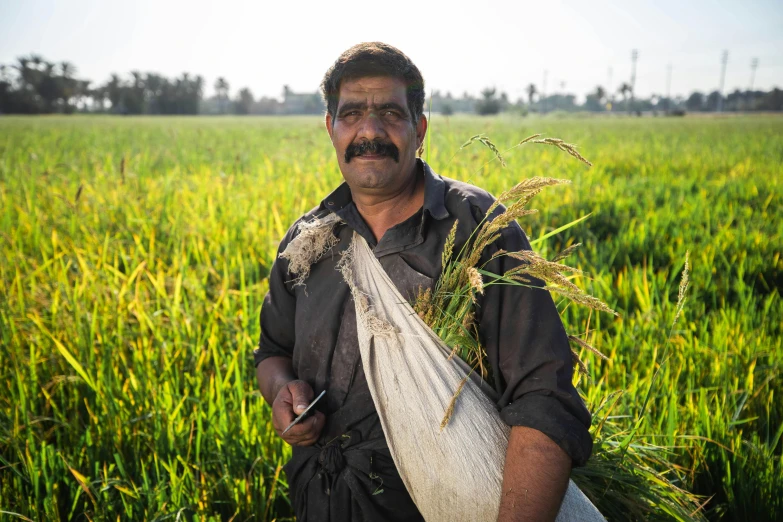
(372, 89)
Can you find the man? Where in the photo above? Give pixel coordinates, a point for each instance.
(341, 468)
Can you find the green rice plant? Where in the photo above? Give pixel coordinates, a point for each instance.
(153, 279)
(631, 479)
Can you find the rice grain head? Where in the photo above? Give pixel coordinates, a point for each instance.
(450, 409)
(484, 140)
(684, 283)
(566, 147)
(475, 280)
(587, 346)
(566, 252)
(448, 247)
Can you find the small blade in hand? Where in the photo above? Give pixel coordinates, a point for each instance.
(302, 415)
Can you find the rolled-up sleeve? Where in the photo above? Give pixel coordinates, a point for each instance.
(278, 311)
(529, 352)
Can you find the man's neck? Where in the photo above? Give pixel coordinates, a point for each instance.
(382, 212)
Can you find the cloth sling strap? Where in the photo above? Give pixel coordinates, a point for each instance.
(454, 474)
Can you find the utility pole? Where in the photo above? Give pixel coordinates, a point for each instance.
(668, 87)
(543, 93)
(634, 57)
(754, 63)
(609, 90)
(724, 60)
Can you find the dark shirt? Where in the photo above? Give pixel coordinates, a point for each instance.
(315, 325)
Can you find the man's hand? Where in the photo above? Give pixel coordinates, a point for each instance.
(292, 399)
(289, 397)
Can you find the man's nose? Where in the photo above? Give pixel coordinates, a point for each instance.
(371, 127)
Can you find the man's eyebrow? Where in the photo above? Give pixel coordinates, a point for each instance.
(362, 105)
(350, 106)
(393, 105)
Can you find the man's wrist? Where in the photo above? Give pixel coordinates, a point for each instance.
(273, 374)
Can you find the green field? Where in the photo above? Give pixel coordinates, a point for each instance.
(133, 257)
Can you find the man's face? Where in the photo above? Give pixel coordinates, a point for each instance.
(374, 134)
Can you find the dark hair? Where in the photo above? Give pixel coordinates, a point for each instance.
(374, 59)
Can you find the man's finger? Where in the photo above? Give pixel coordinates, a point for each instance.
(282, 411)
(313, 432)
(283, 416)
(301, 395)
(307, 432)
(304, 428)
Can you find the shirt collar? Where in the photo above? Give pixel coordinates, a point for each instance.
(434, 194)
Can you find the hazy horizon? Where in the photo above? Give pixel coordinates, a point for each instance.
(264, 47)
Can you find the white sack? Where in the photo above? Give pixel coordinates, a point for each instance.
(454, 474)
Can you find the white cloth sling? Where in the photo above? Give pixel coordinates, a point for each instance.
(454, 474)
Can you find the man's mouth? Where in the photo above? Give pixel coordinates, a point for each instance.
(375, 149)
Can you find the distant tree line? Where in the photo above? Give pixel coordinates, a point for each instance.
(600, 100)
(34, 85)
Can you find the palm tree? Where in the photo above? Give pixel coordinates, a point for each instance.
(67, 69)
(99, 96)
(49, 86)
(70, 87)
(221, 88)
(244, 101)
(134, 95)
(114, 92)
(154, 92)
(600, 93)
(80, 92)
(25, 72)
(136, 79)
(531, 91)
(625, 89)
(37, 60)
(198, 91)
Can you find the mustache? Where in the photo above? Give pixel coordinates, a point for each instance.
(379, 147)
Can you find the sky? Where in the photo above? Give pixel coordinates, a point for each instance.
(458, 46)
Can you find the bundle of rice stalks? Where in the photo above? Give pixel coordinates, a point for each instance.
(624, 478)
(629, 479)
(449, 309)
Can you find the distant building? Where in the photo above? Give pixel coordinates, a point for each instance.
(301, 103)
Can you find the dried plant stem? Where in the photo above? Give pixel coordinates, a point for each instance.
(453, 403)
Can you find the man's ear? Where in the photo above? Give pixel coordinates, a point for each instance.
(329, 127)
(421, 130)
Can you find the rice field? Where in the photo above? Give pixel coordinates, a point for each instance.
(133, 257)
